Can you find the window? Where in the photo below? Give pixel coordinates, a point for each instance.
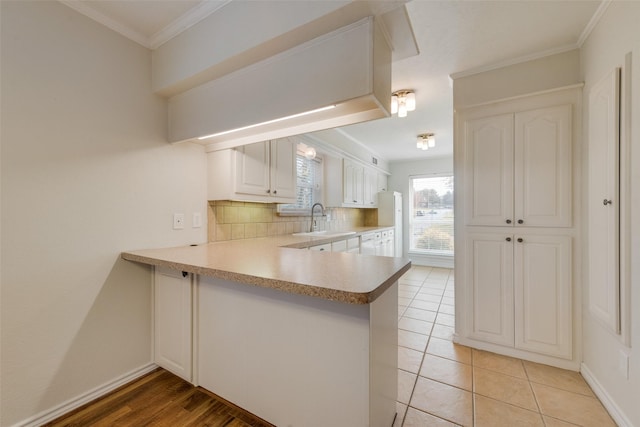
(308, 186)
(431, 215)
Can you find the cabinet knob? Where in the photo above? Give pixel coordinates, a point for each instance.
(520, 221)
(520, 240)
(607, 202)
(508, 239)
(508, 221)
(268, 191)
(275, 191)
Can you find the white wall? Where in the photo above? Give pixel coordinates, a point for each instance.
(399, 181)
(86, 174)
(615, 35)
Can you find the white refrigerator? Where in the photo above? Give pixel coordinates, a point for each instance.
(390, 215)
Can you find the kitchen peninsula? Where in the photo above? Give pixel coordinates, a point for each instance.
(295, 336)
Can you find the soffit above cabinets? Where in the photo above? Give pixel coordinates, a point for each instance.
(349, 68)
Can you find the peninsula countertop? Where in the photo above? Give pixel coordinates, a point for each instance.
(282, 263)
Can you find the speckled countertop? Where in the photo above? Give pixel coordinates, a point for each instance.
(278, 263)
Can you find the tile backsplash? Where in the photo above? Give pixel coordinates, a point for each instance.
(229, 220)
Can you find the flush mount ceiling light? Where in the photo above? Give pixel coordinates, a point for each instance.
(426, 141)
(402, 101)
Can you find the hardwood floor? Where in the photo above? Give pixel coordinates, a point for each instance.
(159, 399)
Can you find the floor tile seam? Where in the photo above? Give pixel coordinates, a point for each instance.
(593, 396)
(430, 413)
(441, 382)
(542, 415)
(417, 375)
(557, 419)
(499, 372)
(508, 403)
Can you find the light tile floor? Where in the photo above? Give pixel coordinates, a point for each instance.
(444, 384)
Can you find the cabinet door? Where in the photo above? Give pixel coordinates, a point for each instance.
(252, 169)
(542, 266)
(489, 278)
(488, 171)
(382, 181)
(283, 168)
(172, 321)
(542, 177)
(370, 188)
(353, 183)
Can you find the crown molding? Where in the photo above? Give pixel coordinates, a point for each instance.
(593, 21)
(186, 21)
(182, 23)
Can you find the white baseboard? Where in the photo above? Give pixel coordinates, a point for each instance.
(76, 402)
(614, 410)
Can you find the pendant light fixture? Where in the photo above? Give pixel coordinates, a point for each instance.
(426, 141)
(403, 101)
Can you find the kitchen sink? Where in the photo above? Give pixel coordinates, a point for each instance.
(323, 233)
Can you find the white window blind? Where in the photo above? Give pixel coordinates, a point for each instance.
(308, 186)
(431, 215)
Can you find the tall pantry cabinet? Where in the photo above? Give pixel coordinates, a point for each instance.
(516, 171)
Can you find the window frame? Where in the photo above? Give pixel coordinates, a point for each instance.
(286, 209)
(412, 218)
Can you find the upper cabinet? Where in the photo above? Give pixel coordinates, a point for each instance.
(349, 183)
(520, 168)
(262, 171)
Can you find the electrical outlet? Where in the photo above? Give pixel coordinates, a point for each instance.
(178, 221)
(197, 220)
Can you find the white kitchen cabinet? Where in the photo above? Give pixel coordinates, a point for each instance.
(172, 311)
(370, 188)
(542, 293)
(382, 182)
(339, 246)
(321, 248)
(353, 245)
(515, 163)
(519, 165)
(353, 183)
(349, 183)
(263, 172)
(519, 286)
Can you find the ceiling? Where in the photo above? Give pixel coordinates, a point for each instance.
(452, 36)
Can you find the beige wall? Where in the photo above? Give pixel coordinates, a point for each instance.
(615, 35)
(230, 220)
(549, 72)
(86, 174)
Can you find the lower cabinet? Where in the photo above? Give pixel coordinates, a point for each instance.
(172, 312)
(519, 291)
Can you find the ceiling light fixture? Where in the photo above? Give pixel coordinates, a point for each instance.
(426, 141)
(402, 101)
(310, 153)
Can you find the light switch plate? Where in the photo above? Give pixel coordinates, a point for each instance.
(197, 220)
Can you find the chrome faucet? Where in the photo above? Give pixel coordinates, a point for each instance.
(314, 226)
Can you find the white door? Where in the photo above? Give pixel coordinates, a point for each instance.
(370, 187)
(489, 279)
(252, 169)
(542, 268)
(542, 150)
(353, 183)
(283, 168)
(172, 321)
(488, 170)
(604, 201)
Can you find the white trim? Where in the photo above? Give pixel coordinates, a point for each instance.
(597, 15)
(517, 97)
(76, 402)
(184, 22)
(426, 260)
(614, 410)
(174, 28)
(514, 61)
